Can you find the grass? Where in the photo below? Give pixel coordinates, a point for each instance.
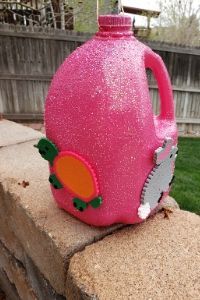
(186, 187)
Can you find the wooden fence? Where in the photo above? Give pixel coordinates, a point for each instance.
(30, 56)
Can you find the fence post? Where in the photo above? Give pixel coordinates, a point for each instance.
(187, 95)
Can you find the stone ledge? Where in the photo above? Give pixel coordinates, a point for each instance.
(9, 290)
(158, 259)
(16, 274)
(12, 133)
(23, 279)
(2, 294)
(31, 225)
(47, 234)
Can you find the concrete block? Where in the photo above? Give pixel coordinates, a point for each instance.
(32, 278)
(12, 133)
(47, 234)
(2, 295)
(32, 227)
(158, 259)
(39, 284)
(168, 202)
(16, 275)
(7, 236)
(7, 289)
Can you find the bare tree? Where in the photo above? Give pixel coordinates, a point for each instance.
(179, 22)
(53, 15)
(62, 14)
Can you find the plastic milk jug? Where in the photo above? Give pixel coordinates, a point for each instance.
(111, 159)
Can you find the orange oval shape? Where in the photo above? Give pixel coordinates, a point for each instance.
(76, 175)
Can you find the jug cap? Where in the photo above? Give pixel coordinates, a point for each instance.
(110, 25)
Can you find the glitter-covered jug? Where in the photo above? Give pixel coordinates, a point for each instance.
(107, 150)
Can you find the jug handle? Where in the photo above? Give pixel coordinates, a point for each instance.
(154, 62)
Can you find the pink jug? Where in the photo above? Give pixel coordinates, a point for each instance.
(111, 159)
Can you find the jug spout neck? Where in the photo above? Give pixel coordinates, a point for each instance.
(115, 26)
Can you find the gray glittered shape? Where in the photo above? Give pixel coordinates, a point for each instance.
(159, 179)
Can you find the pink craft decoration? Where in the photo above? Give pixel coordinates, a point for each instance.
(99, 107)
